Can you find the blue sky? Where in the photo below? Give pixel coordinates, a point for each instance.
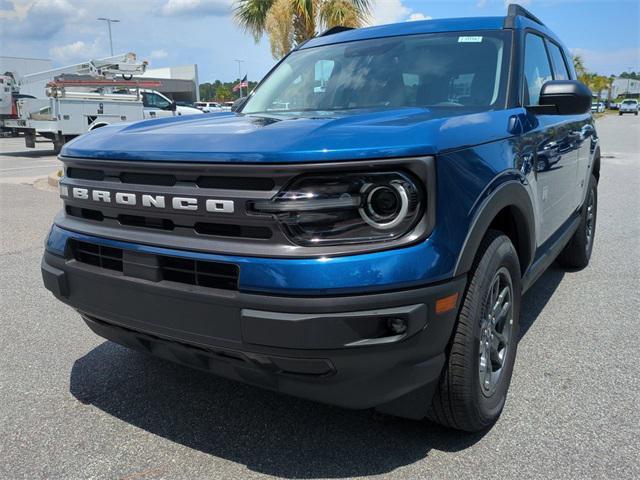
(178, 32)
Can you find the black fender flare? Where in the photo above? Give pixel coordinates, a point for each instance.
(511, 194)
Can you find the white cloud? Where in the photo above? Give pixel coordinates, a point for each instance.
(197, 7)
(76, 51)
(40, 19)
(160, 53)
(393, 11)
(414, 17)
(481, 3)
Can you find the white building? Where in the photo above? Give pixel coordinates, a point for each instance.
(179, 83)
(20, 67)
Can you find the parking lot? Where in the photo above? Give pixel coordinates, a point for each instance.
(75, 406)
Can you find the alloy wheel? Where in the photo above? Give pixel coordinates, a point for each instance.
(496, 328)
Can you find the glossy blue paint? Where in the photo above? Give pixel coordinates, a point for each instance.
(388, 270)
(241, 138)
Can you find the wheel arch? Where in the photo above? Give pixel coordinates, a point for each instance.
(509, 210)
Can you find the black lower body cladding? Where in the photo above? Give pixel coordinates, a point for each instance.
(357, 351)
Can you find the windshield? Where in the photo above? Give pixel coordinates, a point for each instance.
(444, 69)
(629, 102)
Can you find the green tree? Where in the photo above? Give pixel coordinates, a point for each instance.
(290, 22)
(578, 65)
(223, 93)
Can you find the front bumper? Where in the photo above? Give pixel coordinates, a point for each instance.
(337, 350)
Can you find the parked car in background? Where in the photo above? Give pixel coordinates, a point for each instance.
(597, 107)
(208, 107)
(630, 105)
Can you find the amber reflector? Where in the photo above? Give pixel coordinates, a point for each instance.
(446, 304)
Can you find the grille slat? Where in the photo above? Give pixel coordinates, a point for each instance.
(175, 269)
(169, 180)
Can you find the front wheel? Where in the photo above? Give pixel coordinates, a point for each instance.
(473, 387)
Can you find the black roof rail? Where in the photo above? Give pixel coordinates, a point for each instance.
(516, 10)
(336, 29)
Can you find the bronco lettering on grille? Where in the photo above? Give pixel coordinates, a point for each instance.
(213, 205)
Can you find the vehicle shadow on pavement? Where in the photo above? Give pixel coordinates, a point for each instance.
(537, 297)
(30, 153)
(269, 433)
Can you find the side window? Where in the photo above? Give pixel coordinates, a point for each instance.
(154, 101)
(537, 70)
(559, 66)
(161, 102)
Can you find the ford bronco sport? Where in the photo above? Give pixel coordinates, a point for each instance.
(359, 232)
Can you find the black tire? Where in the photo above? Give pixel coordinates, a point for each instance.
(461, 400)
(577, 253)
(620, 113)
(542, 165)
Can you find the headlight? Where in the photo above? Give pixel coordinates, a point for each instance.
(347, 208)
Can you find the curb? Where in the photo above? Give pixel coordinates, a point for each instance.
(53, 178)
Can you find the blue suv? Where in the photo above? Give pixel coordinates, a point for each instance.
(358, 232)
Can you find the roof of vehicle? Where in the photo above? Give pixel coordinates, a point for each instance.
(518, 19)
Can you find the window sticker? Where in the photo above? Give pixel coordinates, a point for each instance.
(469, 39)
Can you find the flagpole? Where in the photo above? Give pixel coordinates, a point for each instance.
(240, 62)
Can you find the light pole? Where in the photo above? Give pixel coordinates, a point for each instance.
(109, 22)
(240, 62)
(628, 83)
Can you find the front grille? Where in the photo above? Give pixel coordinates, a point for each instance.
(146, 222)
(169, 180)
(158, 267)
(197, 272)
(203, 206)
(156, 223)
(97, 255)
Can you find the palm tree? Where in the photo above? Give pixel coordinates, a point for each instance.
(578, 65)
(290, 22)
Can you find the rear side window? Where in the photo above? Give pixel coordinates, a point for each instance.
(559, 65)
(537, 70)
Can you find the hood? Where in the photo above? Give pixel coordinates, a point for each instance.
(233, 137)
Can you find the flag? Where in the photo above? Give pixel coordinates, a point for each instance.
(243, 84)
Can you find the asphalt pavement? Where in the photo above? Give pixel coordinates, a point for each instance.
(75, 406)
(21, 165)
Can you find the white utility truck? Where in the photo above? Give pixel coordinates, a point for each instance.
(81, 98)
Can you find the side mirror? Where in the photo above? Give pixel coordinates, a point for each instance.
(238, 104)
(563, 97)
(173, 107)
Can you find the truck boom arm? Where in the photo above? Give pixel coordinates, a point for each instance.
(124, 64)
